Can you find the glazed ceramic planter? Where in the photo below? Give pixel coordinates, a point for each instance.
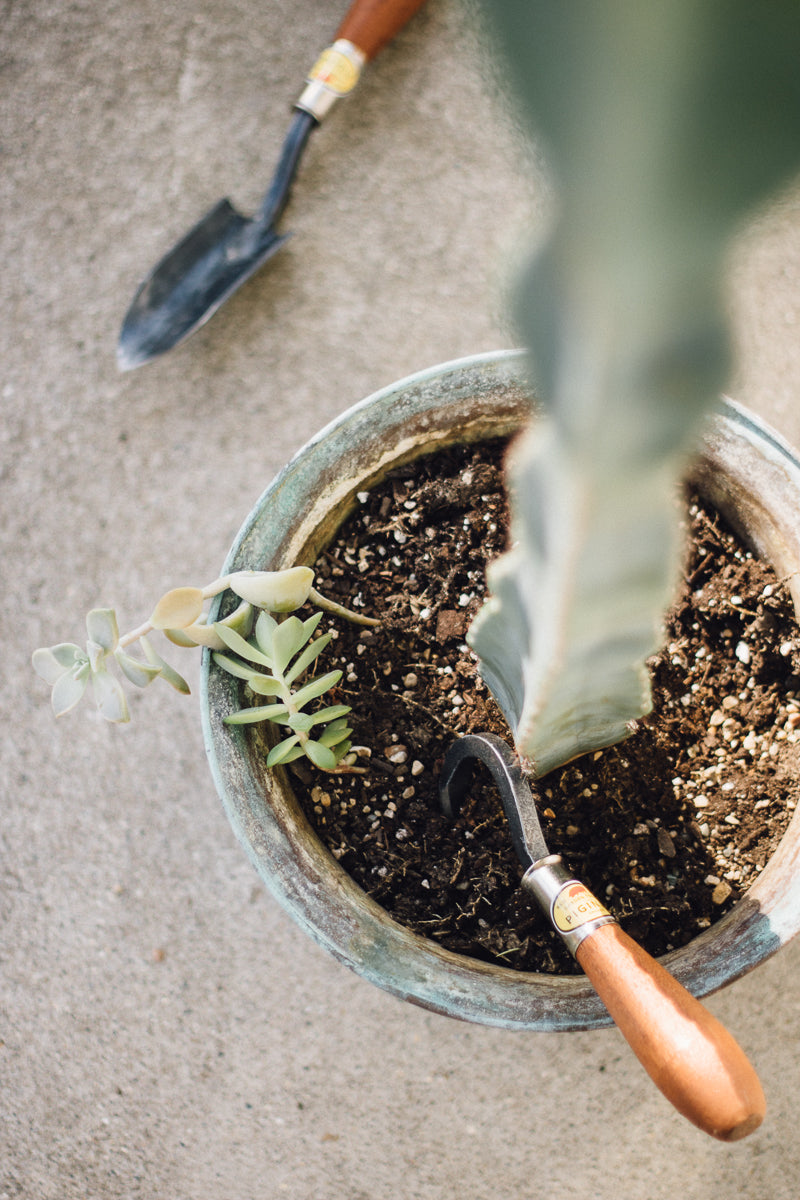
(748, 472)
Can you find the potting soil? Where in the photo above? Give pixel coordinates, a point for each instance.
(668, 828)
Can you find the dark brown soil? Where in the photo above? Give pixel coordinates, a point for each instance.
(668, 828)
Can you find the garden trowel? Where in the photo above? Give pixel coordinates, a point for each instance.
(688, 1054)
(224, 249)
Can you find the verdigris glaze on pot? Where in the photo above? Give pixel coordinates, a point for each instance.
(746, 470)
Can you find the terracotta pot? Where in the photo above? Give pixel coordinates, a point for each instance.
(748, 472)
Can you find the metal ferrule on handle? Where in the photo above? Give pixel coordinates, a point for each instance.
(570, 907)
(335, 73)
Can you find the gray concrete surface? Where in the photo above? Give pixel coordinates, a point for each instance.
(167, 1033)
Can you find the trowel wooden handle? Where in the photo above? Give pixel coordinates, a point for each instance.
(371, 24)
(688, 1054)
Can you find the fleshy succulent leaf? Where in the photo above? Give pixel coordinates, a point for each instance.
(109, 697)
(259, 712)
(337, 725)
(167, 673)
(332, 713)
(340, 749)
(316, 687)
(332, 737)
(180, 637)
(300, 722)
(286, 641)
(241, 619)
(265, 685)
(264, 631)
(277, 591)
(239, 669)
(304, 660)
(51, 662)
(286, 751)
(310, 625)
(235, 642)
(69, 688)
(321, 756)
(177, 608)
(139, 673)
(294, 753)
(198, 634)
(102, 628)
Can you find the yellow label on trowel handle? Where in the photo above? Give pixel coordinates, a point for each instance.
(575, 906)
(337, 70)
(334, 74)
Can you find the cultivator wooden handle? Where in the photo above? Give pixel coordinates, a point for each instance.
(688, 1054)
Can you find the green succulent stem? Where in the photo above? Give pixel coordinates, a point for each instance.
(128, 639)
(338, 610)
(216, 587)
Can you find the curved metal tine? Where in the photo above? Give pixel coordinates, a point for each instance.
(518, 802)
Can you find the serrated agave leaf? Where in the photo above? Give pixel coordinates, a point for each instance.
(178, 608)
(265, 628)
(51, 662)
(234, 667)
(234, 641)
(265, 685)
(263, 712)
(69, 688)
(321, 756)
(316, 688)
(304, 660)
(140, 674)
(110, 698)
(623, 314)
(102, 628)
(277, 591)
(286, 641)
(167, 673)
(285, 751)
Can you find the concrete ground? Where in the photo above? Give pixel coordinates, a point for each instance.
(167, 1033)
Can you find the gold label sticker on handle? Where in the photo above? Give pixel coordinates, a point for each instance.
(336, 70)
(575, 906)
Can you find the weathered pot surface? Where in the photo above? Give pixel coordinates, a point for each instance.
(745, 469)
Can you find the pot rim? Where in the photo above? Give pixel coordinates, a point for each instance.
(306, 503)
